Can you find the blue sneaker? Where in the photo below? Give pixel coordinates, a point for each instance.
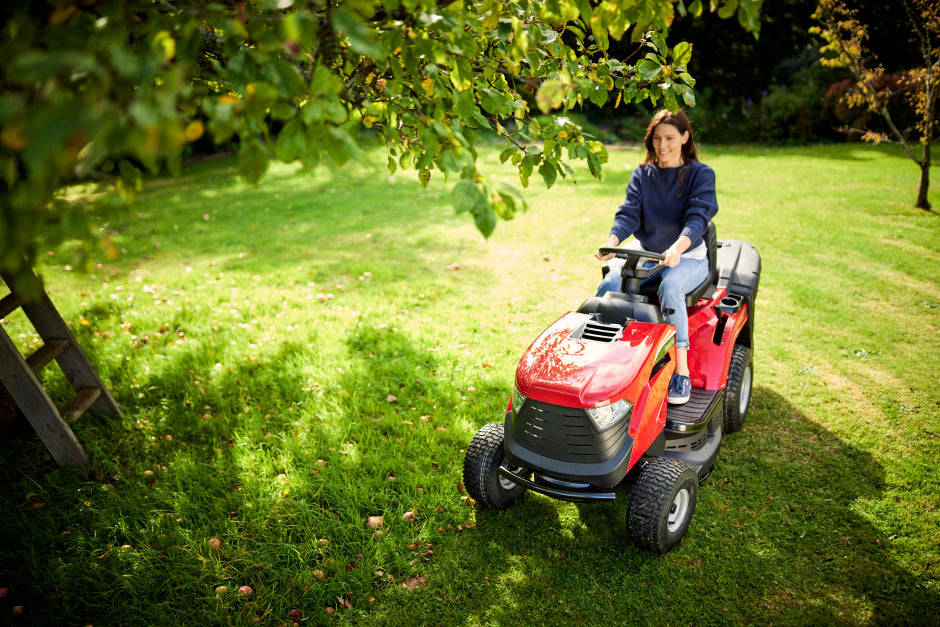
(680, 389)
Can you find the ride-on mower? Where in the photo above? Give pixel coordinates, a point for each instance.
(589, 409)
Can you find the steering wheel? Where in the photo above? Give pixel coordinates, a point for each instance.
(635, 261)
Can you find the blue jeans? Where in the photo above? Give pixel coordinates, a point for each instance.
(674, 284)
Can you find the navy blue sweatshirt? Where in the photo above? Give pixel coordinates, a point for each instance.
(659, 207)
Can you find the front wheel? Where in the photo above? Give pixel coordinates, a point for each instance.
(738, 390)
(661, 504)
(481, 470)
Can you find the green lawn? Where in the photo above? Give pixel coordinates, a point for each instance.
(294, 359)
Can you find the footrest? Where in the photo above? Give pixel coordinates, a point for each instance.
(696, 414)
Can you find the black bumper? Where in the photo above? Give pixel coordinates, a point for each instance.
(562, 490)
(560, 477)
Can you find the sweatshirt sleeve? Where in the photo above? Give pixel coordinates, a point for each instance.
(627, 218)
(703, 203)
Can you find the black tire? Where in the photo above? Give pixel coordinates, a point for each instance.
(661, 504)
(738, 390)
(480, 470)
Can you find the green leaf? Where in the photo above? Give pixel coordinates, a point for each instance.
(494, 101)
(669, 99)
(259, 99)
(461, 74)
(222, 123)
(300, 27)
(285, 77)
(584, 10)
(50, 130)
(550, 95)
(451, 161)
(324, 82)
(340, 145)
(485, 219)
(504, 206)
(525, 170)
(252, 160)
(648, 69)
(594, 165)
(467, 196)
(659, 40)
(727, 9)
(130, 180)
(597, 94)
(549, 173)
(359, 35)
(682, 53)
(598, 149)
(559, 11)
(33, 65)
(311, 156)
(291, 142)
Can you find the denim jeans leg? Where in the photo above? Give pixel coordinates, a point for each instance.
(676, 283)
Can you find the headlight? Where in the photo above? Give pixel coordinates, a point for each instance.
(607, 416)
(517, 400)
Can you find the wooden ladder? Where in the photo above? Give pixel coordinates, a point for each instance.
(18, 375)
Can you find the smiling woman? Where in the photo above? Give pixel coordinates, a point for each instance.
(670, 201)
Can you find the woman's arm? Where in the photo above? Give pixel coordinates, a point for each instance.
(674, 252)
(612, 242)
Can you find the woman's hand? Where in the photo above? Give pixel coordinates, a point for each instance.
(612, 242)
(673, 257)
(674, 253)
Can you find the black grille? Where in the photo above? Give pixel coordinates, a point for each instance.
(565, 433)
(598, 332)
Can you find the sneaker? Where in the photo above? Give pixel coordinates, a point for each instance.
(680, 389)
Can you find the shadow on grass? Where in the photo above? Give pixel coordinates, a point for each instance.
(282, 458)
(775, 540)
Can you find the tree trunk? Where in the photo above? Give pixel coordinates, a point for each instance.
(922, 201)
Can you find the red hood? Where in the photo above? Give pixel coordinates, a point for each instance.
(562, 370)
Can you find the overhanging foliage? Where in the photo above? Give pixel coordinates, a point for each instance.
(110, 89)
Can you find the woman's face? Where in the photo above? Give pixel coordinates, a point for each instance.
(668, 142)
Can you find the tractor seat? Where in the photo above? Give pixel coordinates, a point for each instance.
(707, 287)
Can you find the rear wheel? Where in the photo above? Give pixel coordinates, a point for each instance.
(661, 504)
(481, 470)
(738, 390)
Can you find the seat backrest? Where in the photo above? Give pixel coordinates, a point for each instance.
(711, 246)
(711, 243)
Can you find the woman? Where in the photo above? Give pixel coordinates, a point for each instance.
(670, 199)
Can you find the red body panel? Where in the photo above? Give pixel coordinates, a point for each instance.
(709, 356)
(561, 370)
(564, 371)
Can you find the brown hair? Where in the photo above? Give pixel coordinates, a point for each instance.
(679, 120)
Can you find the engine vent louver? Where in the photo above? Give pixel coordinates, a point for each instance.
(595, 331)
